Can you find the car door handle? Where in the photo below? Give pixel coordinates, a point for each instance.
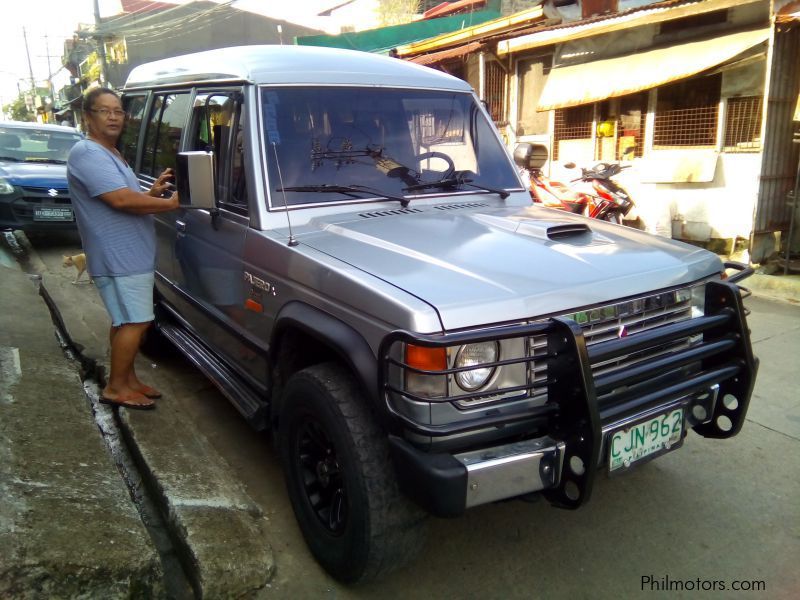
(180, 226)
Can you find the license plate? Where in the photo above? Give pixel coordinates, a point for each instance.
(645, 439)
(52, 213)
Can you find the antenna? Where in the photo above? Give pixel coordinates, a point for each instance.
(292, 241)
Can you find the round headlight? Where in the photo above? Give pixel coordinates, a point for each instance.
(5, 187)
(476, 355)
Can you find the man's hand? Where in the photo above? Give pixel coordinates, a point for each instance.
(162, 184)
(173, 202)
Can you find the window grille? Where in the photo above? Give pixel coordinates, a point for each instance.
(495, 93)
(631, 126)
(686, 113)
(743, 124)
(574, 123)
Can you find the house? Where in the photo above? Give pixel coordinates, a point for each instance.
(147, 31)
(697, 96)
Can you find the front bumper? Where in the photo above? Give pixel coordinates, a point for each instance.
(19, 210)
(584, 409)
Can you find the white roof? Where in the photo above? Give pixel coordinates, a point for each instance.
(291, 65)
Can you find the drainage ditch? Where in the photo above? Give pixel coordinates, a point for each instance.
(176, 583)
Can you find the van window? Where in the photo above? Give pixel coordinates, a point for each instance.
(217, 126)
(134, 108)
(165, 127)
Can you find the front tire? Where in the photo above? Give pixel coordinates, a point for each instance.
(340, 479)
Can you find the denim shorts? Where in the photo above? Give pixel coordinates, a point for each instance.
(128, 298)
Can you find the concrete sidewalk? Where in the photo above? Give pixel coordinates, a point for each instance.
(64, 491)
(68, 526)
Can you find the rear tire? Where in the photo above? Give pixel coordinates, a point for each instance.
(154, 345)
(340, 478)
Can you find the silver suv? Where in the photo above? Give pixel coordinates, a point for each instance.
(359, 268)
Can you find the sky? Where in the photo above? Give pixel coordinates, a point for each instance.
(49, 22)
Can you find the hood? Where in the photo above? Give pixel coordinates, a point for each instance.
(34, 174)
(476, 263)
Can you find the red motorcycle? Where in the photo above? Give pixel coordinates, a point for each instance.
(609, 202)
(552, 194)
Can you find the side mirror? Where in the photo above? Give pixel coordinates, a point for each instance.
(530, 156)
(194, 179)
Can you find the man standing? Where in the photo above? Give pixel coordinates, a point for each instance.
(116, 227)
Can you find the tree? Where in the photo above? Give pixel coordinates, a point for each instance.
(19, 111)
(397, 12)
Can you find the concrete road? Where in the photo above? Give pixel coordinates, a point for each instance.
(710, 516)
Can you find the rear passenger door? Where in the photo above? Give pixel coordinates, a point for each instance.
(163, 117)
(209, 247)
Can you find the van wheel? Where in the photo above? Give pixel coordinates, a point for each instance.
(340, 479)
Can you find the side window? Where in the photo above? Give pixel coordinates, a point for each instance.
(165, 127)
(217, 126)
(134, 109)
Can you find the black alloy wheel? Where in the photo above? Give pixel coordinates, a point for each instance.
(340, 478)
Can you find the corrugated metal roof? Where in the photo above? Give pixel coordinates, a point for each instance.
(642, 15)
(435, 57)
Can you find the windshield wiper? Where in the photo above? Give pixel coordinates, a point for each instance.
(454, 182)
(53, 161)
(9, 158)
(347, 190)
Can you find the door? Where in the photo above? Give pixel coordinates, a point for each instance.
(209, 247)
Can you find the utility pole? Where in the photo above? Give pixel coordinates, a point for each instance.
(101, 47)
(51, 114)
(30, 66)
(34, 95)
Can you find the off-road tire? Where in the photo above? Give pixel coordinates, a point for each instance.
(381, 529)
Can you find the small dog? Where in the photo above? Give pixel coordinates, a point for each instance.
(79, 262)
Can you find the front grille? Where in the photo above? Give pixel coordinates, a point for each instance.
(23, 208)
(573, 370)
(610, 322)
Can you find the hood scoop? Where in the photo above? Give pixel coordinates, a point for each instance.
(567, 231)
(554, 231)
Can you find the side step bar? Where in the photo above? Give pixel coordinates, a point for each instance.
(246, 401)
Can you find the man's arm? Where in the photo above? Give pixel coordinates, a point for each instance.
(139, 203)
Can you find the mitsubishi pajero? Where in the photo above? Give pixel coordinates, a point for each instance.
(359, 268)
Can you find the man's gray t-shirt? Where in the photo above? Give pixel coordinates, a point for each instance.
(115, 242)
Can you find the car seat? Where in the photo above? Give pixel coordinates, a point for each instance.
(9, 140)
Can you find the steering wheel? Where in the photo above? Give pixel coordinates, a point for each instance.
(451, 167)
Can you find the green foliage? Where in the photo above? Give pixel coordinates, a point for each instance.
(397, 12)
(18, 111)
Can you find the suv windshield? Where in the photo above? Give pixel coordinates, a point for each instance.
(333, 144)
(36, 145)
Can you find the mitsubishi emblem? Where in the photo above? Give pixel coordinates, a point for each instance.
(52, 192)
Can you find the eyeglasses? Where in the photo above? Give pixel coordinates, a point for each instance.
(105, 113)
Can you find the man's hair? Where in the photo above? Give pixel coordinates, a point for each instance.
(93, 94)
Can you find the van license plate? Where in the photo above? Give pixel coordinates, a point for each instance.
(654, 436)
(52, 213)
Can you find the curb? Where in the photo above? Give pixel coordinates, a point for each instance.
(214, 526)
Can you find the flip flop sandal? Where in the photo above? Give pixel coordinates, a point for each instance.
(126, 402)
(149, 392)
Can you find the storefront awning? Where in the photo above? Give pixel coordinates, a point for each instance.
(612, 77)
